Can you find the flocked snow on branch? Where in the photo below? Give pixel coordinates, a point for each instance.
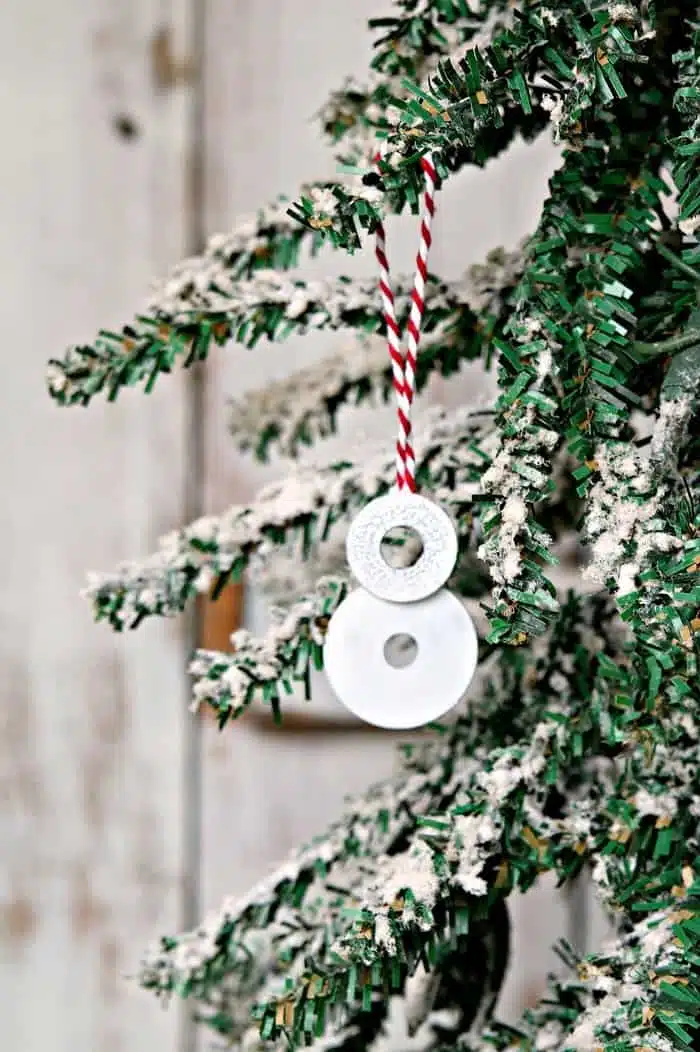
(496, 794)
(474, 104)
(632, 994)
(411, 44)
(304, 406)
(203, 303)
(456, 864)
(298, 511)
(267, 668)
(567, 353)
(687, 162)
(628, 521)
(370, 824)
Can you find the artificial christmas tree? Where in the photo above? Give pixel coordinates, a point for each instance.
(579, 747)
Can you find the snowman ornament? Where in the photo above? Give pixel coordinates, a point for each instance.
(402, 602)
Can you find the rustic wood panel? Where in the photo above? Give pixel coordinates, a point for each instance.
(92, 725)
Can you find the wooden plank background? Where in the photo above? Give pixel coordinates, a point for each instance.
(132, 127)
(93, 726)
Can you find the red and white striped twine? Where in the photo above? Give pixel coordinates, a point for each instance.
(404, 363)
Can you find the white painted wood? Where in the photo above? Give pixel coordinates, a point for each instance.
(91, 734)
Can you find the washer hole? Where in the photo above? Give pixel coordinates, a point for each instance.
(400, 650)
(401, 547)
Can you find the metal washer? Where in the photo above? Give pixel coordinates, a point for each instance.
(410, 583)
(400, 698)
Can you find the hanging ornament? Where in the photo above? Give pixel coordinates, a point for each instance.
(401, 650)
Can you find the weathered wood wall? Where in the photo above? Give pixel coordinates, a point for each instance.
(92, 792)
(109, 176)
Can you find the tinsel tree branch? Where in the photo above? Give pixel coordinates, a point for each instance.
(282, 578)
(272, 239)
(686, 169)
(496, 829)
(569, 356)
(416, 34)
(646, 986)
(612, 215)
(580, 748)
(641, 991)
(489, 758)
(637, 508)
(300, 510)
(194, 310)
(370, 825)
(267, 667)
(601, 38)
(412, 42)
(265, 240)
(651, 556)
(644, 525)
(519, 477)
(471, 104)
(304, 406)
(504, 770)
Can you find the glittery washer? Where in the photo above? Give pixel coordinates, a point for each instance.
(410, 583)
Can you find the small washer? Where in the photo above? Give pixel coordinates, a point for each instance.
(400, 698)
(429, 572)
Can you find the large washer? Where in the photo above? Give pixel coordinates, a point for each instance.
(400, 698)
